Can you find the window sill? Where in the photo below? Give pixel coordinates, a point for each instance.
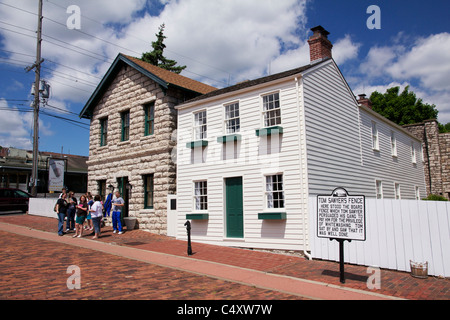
(123, 142)
(197, 216)
(196, 144)
(229, 138)
(269, 131)
(272, 216)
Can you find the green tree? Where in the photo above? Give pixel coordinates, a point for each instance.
(402, 108)
(156, 57)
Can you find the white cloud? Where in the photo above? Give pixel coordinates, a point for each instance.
(14, 130)
(424, 66)
(218, 40)
(377, 60)
(345, 49)
(428, 61)
(16, 127)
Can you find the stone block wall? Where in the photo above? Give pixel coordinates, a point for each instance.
(436, 155)
(140, 155)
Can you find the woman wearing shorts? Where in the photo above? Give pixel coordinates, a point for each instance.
(82, 210)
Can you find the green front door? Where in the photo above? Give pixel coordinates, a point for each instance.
(125, 193)
(234, 207)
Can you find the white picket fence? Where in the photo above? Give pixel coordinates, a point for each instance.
(397, 231)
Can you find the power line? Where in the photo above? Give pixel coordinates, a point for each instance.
(106, 59)
(144, 41)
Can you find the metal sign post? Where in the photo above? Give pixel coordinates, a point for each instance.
(341, 217)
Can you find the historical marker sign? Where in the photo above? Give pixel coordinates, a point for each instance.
(341, 216)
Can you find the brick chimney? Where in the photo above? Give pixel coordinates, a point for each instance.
(363, 100)
(319, 45)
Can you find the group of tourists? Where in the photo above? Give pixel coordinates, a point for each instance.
(88, 212)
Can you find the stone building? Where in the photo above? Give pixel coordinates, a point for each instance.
(436, 156)
(132, 136)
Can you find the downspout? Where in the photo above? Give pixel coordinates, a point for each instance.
(300, 142)
(428, 156)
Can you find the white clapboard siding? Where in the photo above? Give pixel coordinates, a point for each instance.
(397, 231)
(252, 163)
(339, 142)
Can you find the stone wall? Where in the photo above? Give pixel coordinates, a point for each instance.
(436, 155)
(141, 154)
(444, 146)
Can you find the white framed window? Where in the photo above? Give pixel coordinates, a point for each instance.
(393, 144)
(274, 192)
(421, 152)
(200, 127)
(232, 119)
(413, 153)
(375, 142)
(417, 192)
(201, 195)
(271, 109)
(379, 189)
(397, 191)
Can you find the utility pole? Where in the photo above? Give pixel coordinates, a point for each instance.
(37, 66)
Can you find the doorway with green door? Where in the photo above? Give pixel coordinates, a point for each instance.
(125, 189)
(234, 208)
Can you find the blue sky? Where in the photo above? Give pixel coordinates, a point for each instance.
(221, 42)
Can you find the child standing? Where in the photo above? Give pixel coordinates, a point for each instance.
(118, 203)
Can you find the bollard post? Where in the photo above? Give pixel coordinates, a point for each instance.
(188, 229)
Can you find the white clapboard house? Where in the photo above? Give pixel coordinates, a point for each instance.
(249, 156)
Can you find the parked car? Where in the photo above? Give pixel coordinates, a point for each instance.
(14, 199)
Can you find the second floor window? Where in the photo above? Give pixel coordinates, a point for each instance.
(103, 132)
(271, 110)
(393, 144)
(232, 120)
(200, 128)
(375, 143)
(149, 119)
(125, 125)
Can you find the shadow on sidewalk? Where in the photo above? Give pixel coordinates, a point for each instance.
(349, 276)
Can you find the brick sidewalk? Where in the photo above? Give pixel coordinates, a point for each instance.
(393, 283)
(37, 269)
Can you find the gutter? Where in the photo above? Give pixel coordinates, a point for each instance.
(306, 253)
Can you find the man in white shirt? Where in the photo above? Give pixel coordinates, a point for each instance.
(118, 204)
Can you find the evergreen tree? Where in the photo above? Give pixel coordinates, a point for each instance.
(156, 57)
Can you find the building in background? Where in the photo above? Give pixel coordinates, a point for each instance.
(15, 170)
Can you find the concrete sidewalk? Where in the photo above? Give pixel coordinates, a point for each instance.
(287, 274)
